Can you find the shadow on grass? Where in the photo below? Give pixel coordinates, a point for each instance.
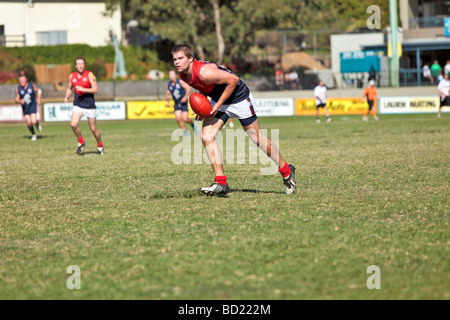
(256, 191)
(197, 193)
(39, 137)
(87, 152)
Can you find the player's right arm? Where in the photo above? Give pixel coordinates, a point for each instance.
(18, 100)
(68, 91)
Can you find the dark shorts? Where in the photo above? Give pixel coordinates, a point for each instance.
(370, 103)
(322, 105)
(181, 106)
(445, 102)
(244, 122)
(29, 109)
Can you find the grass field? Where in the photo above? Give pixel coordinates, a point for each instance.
(138, 227)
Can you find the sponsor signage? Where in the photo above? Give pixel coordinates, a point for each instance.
(419, 104)
(274, 107)
(14, 113)
(336, 106)
(150, 110)
(160, 110)
(106, 110)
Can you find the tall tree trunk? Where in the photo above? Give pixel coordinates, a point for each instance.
(195, 37)
(220, 40)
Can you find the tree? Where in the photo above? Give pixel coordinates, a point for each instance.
(199, 22)
(224, 29)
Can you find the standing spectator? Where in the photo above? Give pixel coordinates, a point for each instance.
(294, 79)
(435, 69)
(427, 73)
(372, 74)
(279, 76)
(320, 92)
(444, 93)
(440, 77)
(371, 94)
(26, 96)
(447, 68)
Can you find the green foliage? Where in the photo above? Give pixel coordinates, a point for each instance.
(192, 21)
(138, 60)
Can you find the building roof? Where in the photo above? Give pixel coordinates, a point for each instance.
(413, 46)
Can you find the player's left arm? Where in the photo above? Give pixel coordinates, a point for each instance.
(212, 75)
(187, 88)
(39, 94)
(93, 88)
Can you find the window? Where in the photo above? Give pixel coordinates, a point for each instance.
(51, 38)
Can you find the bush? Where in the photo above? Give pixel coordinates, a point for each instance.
(138, 60)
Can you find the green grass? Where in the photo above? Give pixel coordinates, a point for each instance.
(138, 227)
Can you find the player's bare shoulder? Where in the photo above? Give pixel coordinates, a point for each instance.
(92, 77)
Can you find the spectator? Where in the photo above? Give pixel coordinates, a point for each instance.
(440, 77)
(427, 73)
(435, 69)
(447, 68)
(294, 79)
(372, 74)
(279, 76)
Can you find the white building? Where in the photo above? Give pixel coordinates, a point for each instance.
(35, 22)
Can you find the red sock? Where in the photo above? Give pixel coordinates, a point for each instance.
(285, 171)
(221, 180)
(100, 144)
(81, 140)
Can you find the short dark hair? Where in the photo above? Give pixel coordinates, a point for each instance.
(187, 49)
(80, 58)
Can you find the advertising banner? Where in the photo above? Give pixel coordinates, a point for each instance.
(160, 110)
(410, 105)
(14, 113)
(336, 106)
(274, 107)
(150, 110)
(106, 110)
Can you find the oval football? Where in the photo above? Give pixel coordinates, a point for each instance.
(200, 104)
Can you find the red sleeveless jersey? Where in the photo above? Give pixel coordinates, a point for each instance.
(196, 83)
(215, 91)
(82, 99)
(83, 81)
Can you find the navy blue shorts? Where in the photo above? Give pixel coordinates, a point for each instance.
(181, 106)
(29, 109)
(370, 103)
(244, 122)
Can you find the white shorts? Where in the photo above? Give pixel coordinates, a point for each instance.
(241, 110)
(88, 113)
